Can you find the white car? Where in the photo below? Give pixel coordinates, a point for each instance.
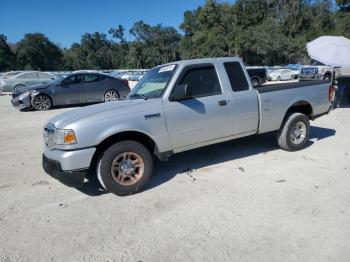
(15, 81)
(281, 74)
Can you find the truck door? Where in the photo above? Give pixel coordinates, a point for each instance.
(204, 115)
(244, 105)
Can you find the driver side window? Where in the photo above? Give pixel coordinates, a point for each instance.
(76, 79)
(201, 81)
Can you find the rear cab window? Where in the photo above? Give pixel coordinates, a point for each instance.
(237, 77)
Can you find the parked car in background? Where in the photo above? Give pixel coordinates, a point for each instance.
(324, 72)
(17, 81)
(136, 76)
(296, 68)
(309, 73)
(74, 89)
(84, 71)
(10, 74)
(257, 76)
(281, 74)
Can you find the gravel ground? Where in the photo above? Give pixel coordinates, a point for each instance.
(244, 200)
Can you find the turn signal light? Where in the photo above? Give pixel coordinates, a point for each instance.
(69, 137)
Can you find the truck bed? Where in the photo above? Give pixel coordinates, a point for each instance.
(284, 86)
(276, 99)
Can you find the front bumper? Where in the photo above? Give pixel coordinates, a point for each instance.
(69, 178)
(21, 102)
(69, 167)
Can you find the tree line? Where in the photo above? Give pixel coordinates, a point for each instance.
(262, 32)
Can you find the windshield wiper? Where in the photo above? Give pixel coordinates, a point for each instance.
(139, 96)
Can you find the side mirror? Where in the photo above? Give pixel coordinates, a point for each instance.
(179, 92)
(62, 84)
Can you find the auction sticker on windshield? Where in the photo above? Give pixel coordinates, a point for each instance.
(166, 68)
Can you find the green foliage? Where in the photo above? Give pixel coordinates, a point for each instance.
(37, 52)
(344, 5)
(262, 32)
(93, 52)
(7, 58)
(153, 45)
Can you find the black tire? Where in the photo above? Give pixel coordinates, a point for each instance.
(327, 77)
(105, 165)
(287, 136)
(108, 95)
(41, 102)
(18, 87)
(255, 82)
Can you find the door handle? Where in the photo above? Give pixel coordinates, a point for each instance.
(222, 103)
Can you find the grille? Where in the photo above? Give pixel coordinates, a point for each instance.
(49, 135)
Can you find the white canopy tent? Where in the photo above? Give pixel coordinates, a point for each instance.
(331, 50)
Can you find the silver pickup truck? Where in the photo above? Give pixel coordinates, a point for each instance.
(174, 108)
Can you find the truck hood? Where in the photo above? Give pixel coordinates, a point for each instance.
(111, 110)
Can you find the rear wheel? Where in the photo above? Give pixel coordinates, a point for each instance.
(41, 102)
(111, 95)
(255, 82)
(18, 87)
(327, 77)
(125, 168)
(294, 132)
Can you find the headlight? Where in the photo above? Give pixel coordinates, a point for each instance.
(65, 137)
(54, 136)
(28, 93)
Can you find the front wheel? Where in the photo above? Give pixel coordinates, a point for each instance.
(41, 102)
(111, 95)
(125, 168)
(294, 132)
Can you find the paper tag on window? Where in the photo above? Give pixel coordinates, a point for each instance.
(166, 68)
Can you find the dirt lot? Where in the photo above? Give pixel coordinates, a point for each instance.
(245, 200)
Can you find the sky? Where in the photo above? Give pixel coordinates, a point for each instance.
(64, 21)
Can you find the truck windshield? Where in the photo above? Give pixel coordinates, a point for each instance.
(153, 84)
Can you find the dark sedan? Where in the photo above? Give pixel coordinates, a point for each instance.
(74, 89)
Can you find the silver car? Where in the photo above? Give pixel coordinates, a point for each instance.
(73, 89)
(18, 80)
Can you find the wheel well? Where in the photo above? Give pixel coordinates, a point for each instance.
(303, 107)
(17, 85)
(129, 135)
(327, 74)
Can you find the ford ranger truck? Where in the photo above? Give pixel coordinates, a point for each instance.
(177, 107)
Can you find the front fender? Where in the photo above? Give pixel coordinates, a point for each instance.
(92, 133)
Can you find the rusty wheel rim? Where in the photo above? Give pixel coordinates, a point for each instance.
(127, 168)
